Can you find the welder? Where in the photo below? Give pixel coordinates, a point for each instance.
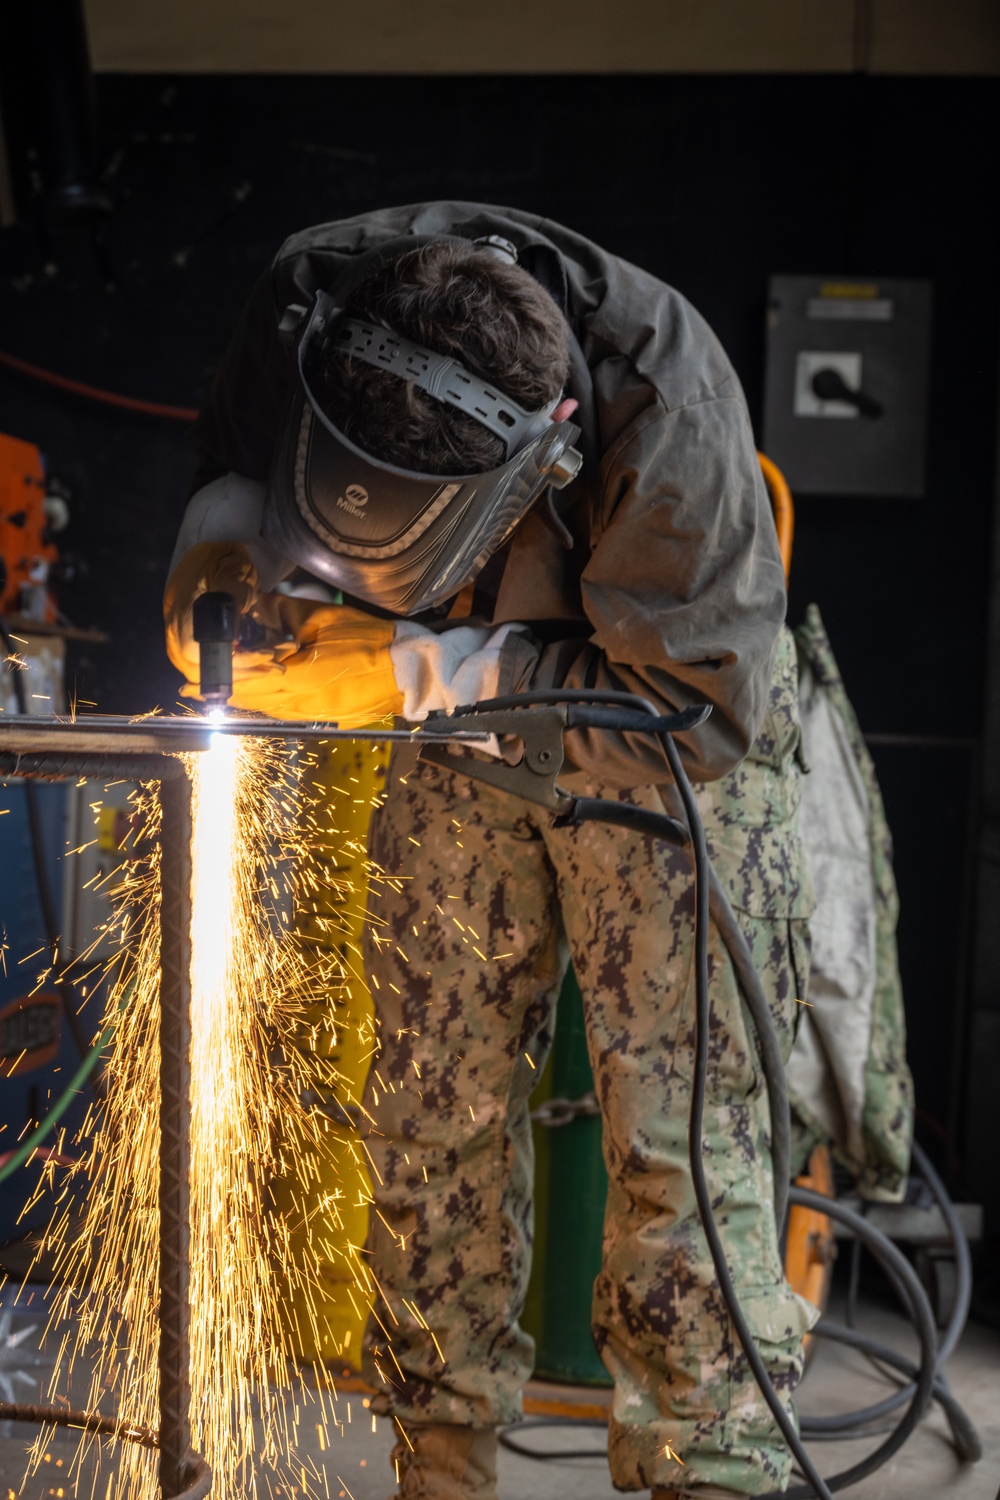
(501, 459)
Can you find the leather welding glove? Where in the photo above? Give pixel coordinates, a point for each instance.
(344, 665)
(207, 566)
(219, 546)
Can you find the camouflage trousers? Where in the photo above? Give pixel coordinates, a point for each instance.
(480, 903)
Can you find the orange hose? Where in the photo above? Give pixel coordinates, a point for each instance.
(783, 508)
(94, 393)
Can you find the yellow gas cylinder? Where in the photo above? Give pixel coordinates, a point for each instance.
(324, 1191)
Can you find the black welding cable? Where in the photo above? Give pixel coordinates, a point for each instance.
(916, 1300)
(856, 1423)
(854, 1279)
(966, 1438)
(699, 852)
(772, 1062)
(702, 1019)
(923, 1381)
(547, 1455)
(899, 1269)
(656, 825)
(670, 828)
(45, 898)
(963, 1292)
(963, 1255)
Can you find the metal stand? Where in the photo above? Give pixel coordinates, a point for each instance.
(146, 750)
(183, 1474)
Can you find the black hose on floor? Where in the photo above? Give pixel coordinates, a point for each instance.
(857, 1423)
(904, 1279)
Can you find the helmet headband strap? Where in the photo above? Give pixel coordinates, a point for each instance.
(445, 379)
(441, 376)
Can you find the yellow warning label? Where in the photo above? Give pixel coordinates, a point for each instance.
(848, 289)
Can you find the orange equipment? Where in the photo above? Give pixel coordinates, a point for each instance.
(781, 504)
(26, 550)
(810, 1248)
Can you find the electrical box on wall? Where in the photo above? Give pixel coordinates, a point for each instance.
(845, 400)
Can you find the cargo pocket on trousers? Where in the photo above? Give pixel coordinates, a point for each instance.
(778, 1320)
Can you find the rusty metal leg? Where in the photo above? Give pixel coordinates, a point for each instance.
(175, 1121)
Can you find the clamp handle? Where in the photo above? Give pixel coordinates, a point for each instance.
(540, 722)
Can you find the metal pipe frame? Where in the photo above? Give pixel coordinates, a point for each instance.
(51, 749)
(180, 1469)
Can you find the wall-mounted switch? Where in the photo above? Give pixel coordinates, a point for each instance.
(846, 386)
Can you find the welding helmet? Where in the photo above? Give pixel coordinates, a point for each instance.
(400, 539)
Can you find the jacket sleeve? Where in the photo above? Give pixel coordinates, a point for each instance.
(684, 592)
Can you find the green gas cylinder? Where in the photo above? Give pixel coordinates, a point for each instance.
(571, 1188)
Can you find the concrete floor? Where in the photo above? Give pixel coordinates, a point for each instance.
(355, 1465)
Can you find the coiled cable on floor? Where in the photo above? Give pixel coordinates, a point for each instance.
(858, 1423)
(904, 1280)
(548, 1455)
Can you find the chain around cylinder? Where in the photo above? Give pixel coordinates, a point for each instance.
(555, 1112)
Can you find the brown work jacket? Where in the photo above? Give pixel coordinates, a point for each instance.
(673, 587)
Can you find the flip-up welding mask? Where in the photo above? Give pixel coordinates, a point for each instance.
(397, 538)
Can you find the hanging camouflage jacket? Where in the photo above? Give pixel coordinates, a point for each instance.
(848, 1077)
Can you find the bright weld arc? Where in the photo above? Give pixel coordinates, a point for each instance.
(257, 989)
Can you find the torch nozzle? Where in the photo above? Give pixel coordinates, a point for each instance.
(214, 624)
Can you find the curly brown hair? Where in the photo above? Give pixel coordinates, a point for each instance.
(461, 300)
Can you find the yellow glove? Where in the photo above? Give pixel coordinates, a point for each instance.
(208, 566)
(336, 666)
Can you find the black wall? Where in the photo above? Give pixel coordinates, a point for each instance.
(710, 182)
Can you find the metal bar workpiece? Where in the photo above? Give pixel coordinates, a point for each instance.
(160, 734)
